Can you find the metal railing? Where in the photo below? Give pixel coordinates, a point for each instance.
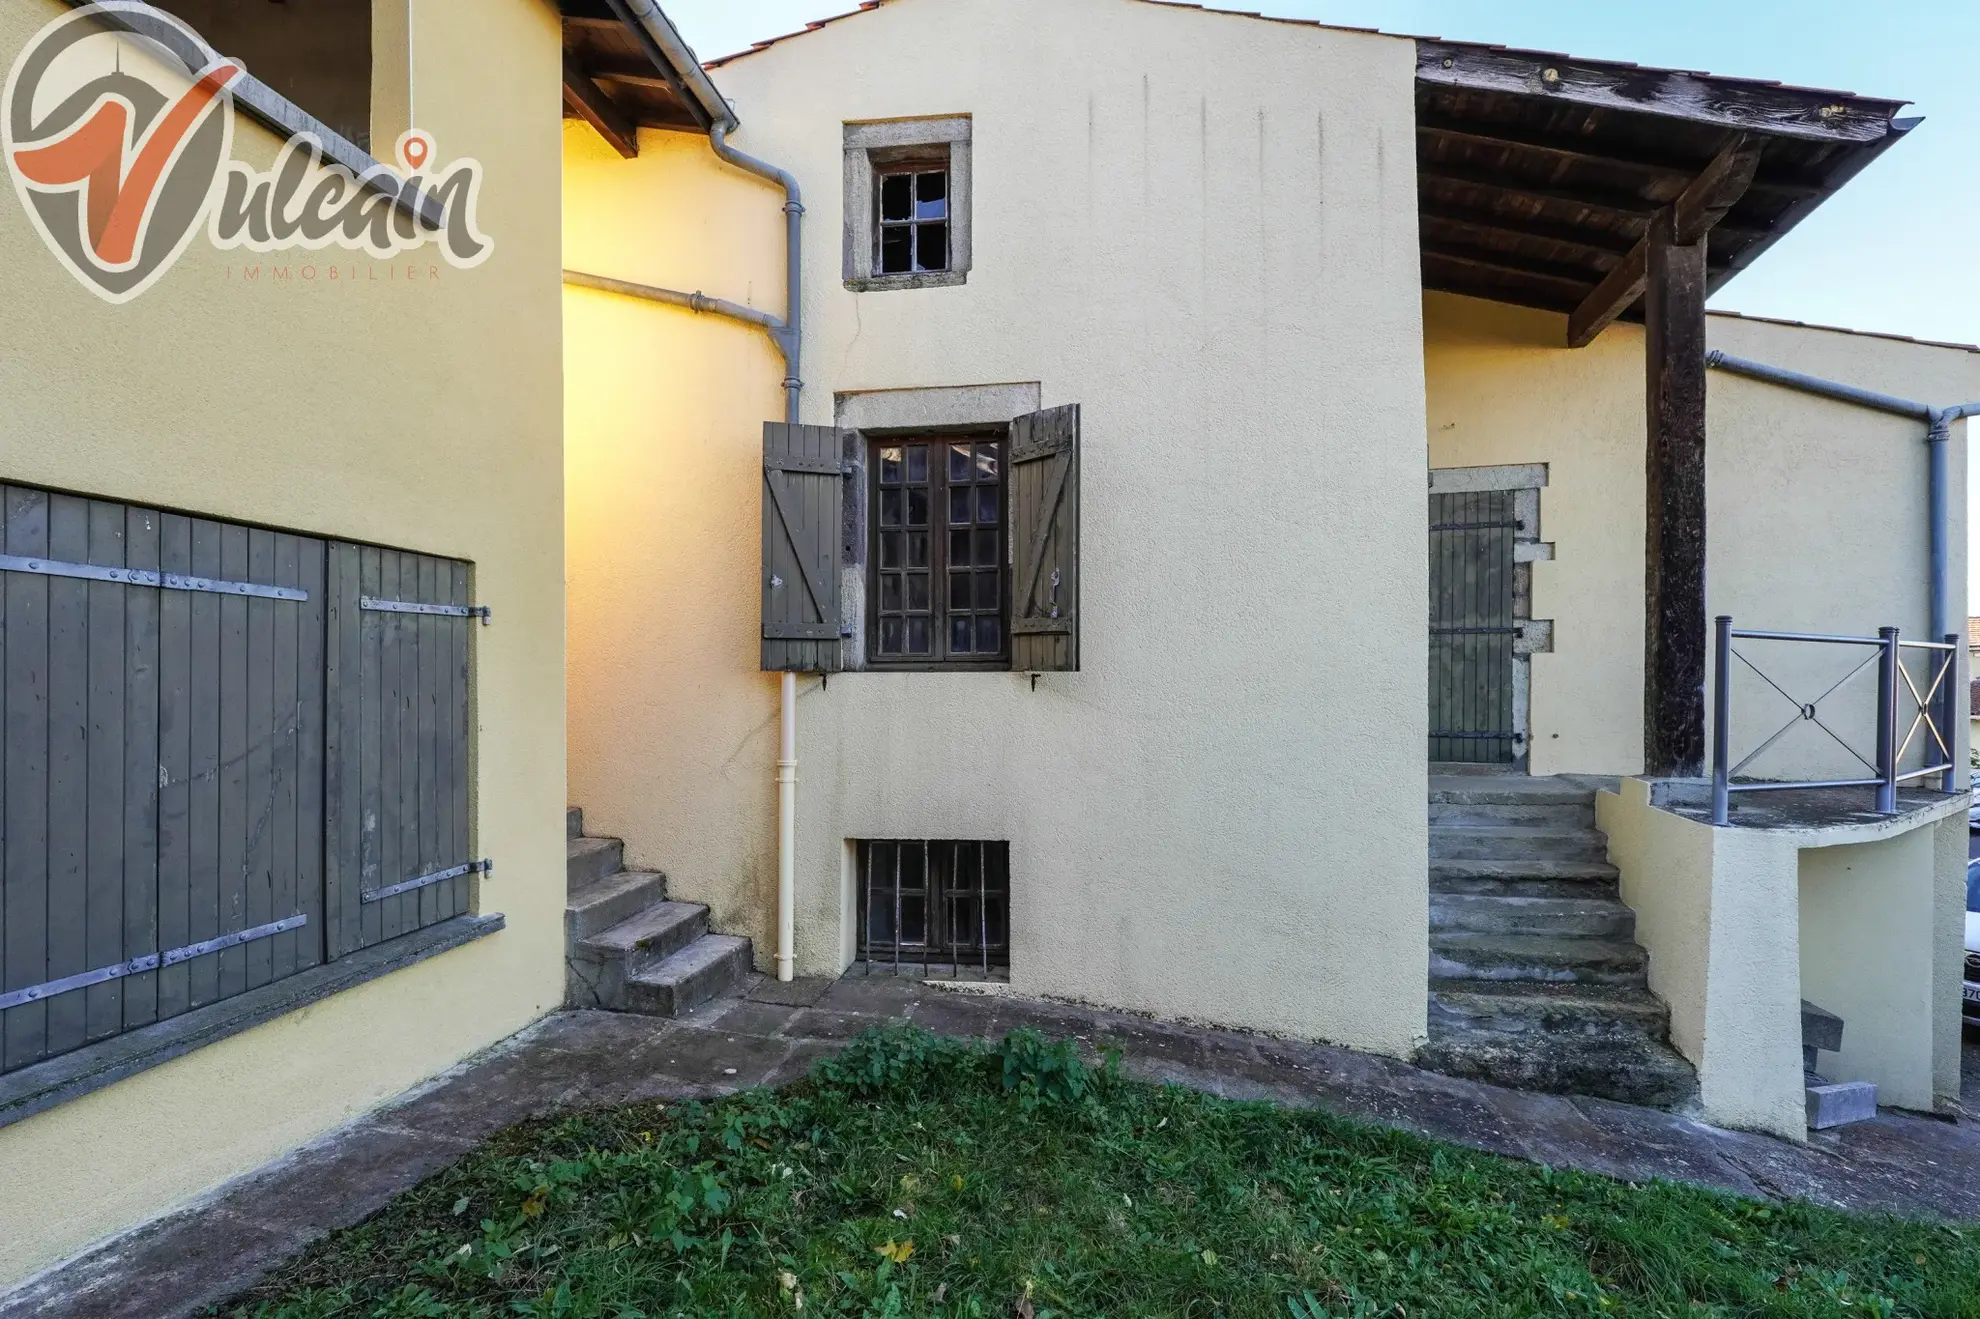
(1935, 708)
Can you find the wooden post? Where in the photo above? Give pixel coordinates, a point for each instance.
(1674, 505)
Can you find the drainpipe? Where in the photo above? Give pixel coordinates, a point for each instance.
(788, 335)
(1938, 434)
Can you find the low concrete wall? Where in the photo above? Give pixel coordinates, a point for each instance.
(1743, 922)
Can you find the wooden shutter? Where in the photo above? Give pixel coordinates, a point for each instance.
(397, 747)
(803, 501)
(160, 769)
(1044, 512)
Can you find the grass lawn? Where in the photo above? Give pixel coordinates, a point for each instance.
(918, 1176)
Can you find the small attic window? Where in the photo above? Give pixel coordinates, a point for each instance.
(907, 204)
(914, 220)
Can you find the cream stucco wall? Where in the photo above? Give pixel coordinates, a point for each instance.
(1816, 512)
(1743, 923)
(424, 415)
(1201, 228)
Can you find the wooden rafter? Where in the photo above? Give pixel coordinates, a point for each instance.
(1733, 104)
(1655, 169)
(1630, 206)
(1691, 217)
(583, 95)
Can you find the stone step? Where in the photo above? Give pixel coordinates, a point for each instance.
(1630, 1069)
(714, 965)
(1530, 957)
(603, 903)
(573, 822)
(1494, 913)
(589, 859)
(1542, 1011)
(650, 937)
(1499, 886)
(1518, 868)
(599, 967)
(1547, 815)
(1517, 842)
(1510, 790)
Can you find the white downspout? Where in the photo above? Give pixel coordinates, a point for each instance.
(787, 830)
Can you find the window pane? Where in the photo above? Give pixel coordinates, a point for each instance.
(917, 591)
(890, 549)
(917, 549)
(890, 592)
(986, 504)
(959, 506)
(959, 549)
(959, 463)
(959, 590)
(917, 636)
(986, 462)
(986, 549)
(890, 636)
(890, 466)
(961, 634)
(932, 203)
(917, 464)
(933, 250)
(897, 250)
(917, 506)
(986, 591)
(897, 197)
(989, 635)
(890, 508)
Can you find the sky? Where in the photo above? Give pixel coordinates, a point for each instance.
(1896, 251)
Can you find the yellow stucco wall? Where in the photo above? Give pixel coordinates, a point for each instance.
(1816, 511)
(423, 415)
(1201, 228)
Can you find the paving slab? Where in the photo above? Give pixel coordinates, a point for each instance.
(772, 1034)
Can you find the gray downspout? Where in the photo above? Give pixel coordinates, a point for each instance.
(1938, 434)
(791, 341)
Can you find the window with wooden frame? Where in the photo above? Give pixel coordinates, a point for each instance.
(911, 230)
(937, 563)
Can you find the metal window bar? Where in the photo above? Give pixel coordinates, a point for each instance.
(933, 906)
(1935, 709)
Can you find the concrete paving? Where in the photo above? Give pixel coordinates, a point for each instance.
(201, 1255)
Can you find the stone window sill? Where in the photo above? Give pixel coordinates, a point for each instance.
(70, 1076)
(934, 279)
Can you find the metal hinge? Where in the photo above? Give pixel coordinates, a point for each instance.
(148, 962)
(377, 606)
(438, 876)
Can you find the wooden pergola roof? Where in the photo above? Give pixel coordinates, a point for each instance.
(1538, 175)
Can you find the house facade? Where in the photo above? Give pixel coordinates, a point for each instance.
(1289, 276)
(316, 427)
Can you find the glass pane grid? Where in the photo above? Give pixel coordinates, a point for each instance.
(914, 222)
(934, 903)
(939, 553)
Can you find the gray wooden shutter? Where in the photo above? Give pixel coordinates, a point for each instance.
(397, 747)
(160, 788)
(803, 499)
(1044, 511)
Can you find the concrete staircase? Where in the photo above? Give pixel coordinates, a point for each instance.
(626, 947)
(1536, 980)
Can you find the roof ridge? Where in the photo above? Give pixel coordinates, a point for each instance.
(1844, 329)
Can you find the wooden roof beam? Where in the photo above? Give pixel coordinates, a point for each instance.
(1735, 104)
(1692, 216)
(1595, 242)
(589, 101)
(1626, 205)
(1657, 169)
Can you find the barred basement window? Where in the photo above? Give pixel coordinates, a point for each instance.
(938, 555)
(934, 906)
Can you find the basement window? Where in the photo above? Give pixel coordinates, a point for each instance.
(907, 204)
(934, 906)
